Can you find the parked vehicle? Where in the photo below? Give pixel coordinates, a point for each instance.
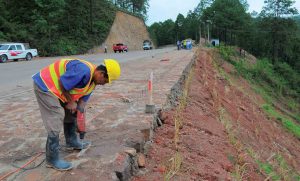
(15, 51)
(120, 47)
(147, 45)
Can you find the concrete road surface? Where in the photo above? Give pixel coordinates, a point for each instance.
(16, 76)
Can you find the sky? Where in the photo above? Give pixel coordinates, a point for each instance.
(161, 10)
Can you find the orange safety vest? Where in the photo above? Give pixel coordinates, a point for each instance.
(51, 76)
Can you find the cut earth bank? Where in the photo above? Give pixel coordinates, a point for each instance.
(218, 131)
(127, 29)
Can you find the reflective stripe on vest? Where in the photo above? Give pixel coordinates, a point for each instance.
(51, 75)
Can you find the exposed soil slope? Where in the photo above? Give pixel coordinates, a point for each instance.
(127, 29)
(225, 134)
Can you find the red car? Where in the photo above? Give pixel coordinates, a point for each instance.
(120, 47)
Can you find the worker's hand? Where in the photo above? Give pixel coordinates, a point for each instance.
(72, 106)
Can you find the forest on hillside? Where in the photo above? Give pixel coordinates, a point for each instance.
(272, 35)
(62, 27)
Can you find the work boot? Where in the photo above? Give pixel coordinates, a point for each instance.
(52, 155)
(72, 141)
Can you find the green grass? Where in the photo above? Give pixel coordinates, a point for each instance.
(269, 170)
(281, 77)
(271, 82)
(284, 169)
(286, 122)
(278, 170)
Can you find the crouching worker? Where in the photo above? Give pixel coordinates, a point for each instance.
(62, 89)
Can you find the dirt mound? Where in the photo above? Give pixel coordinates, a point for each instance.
(225, 134)
(127, 29)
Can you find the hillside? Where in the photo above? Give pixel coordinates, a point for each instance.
(71, 27)
(221, 130)
(127, 29)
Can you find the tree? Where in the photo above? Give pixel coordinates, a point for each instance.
(191, 26)
(228, 18)
(140, 7)
(4, 23)
(137, 7)
(245, 4)
(203, 4)
(278, 8)
(272, 20)
(179, 27)
(46, 18)
(163, 32)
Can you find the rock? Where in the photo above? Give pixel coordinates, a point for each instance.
(147, 134)
(141, 160)
(130, 151)
(161, 169)
(228, 167)
(170, 134)
(162, 116)
(242, 108)
(125, 100)
(159, 122)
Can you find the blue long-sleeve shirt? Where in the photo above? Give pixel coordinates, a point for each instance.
(77, 75)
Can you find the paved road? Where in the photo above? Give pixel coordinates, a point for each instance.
(116, 118)
(16, 76)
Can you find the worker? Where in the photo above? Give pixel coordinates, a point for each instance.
(178, 44)
(105, 49)
(184, 44)
(62, 89)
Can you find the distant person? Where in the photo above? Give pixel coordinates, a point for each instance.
(191, 44)
(188, 44)
(105, 49)
(178, 45)
(184, 44)
(62, 89)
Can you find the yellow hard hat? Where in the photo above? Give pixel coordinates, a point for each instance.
(113, 69)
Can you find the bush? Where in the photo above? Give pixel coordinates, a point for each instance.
(264, 70)
(290, 75)
(280, 78)
(226, 53)
(63, 46)
(243, 69)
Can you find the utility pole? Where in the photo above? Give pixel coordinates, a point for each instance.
(200, 34)
(208, 32)
(208, 22)
(205, 34)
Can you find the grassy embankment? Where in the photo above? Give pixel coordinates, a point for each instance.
(277, 84)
